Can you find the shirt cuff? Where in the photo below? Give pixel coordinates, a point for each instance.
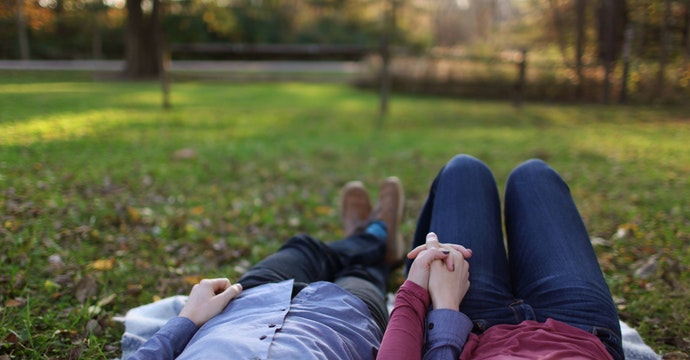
(447, 329)
(179, 330)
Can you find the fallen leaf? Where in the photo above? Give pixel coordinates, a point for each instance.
(184, 154)
(16, 302)
(648, 268)
(133, 214)
(11, 338)
(51, 285)
(93, 327)
(597, 241)
(676, 355)
(192, 279)
(55, 262)
(324, 210)
(106, 300)
(75, 353)
(102, 264)
(626, 231)
(134, 289)
(85, 288)
(94, 310)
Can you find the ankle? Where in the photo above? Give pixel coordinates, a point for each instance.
(378, 229)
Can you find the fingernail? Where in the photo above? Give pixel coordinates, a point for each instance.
(431, 235)
(445, 251)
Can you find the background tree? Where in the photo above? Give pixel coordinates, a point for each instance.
(143, 39)
(612, 19)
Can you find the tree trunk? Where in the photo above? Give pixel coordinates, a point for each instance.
(142, 47)
(607, 45)
(22, 36)
(665, 43)
(580, 48)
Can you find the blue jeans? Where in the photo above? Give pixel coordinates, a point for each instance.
(550, 269)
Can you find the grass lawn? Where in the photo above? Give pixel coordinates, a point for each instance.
(101, 212)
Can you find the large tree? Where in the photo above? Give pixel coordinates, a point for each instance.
(143, 41)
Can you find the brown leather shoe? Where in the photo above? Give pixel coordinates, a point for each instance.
(355, 207)
(390, 210)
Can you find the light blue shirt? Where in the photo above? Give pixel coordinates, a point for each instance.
(323, 321)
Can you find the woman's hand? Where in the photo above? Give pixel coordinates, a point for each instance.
(427, 254)
(448, 288)
(421, 267)
(208, 298)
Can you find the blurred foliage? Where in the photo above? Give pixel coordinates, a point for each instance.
(546, 28)
(65, 28)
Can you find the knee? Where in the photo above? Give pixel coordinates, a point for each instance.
(531, 170)
(466, 164)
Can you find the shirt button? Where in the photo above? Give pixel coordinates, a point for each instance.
(262, 337)
(431, 326)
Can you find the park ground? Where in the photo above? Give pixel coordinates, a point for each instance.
(110, 201)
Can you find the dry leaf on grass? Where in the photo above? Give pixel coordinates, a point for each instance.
(102, 264)
(16, 302)
(85, 288)
(184, 154)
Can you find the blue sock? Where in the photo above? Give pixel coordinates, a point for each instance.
(378, 229)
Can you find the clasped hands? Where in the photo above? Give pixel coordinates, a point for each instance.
(441, 269)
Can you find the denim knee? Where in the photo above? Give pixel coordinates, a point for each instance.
(466, 164)
(531, 170)
(464, 160)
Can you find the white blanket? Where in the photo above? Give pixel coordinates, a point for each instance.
(143, 321)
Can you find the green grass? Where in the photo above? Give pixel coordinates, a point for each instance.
(99, 216)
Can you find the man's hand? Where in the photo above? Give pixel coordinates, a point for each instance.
(208, 298)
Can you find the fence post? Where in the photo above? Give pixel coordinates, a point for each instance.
(520, 84)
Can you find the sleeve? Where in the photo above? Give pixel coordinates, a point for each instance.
(168, 342)
(404, 334)
(447, 332)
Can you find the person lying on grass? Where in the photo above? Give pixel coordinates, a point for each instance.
(545, 299)
(308, 300)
